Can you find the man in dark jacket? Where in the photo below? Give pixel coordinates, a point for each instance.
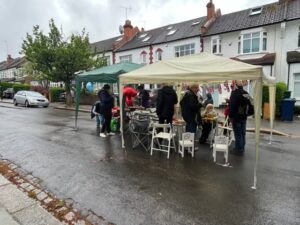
(107, 103)
(208, 100)
(190, 108)
(143, 96)
(238, 118)
(166, 99)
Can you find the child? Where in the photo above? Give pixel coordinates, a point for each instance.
(96, 112)
(208, 120)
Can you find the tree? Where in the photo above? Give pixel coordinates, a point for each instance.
(57, 58)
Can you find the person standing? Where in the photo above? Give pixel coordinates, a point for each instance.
(190, 108)
(208, 100)
(166, 100)
(238, 117)
(107, 103)
(143, 96)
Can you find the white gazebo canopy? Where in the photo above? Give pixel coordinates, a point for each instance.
(205, 68)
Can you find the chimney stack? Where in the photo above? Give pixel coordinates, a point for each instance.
(210, 10)
(9, 59)
(128, 30)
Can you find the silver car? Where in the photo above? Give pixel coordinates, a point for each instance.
(30, 98)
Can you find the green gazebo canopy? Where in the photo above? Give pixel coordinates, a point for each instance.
(107, 74)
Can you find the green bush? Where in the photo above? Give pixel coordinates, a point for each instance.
(55, 92)
(5, 85)
(20, 87)
(281, 88)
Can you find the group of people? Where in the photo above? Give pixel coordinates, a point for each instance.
(190, 104)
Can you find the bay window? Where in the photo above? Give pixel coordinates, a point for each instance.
(252, 42)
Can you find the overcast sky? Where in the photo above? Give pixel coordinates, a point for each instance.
(101, 18)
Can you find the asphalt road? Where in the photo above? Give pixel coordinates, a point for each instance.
(131, 187)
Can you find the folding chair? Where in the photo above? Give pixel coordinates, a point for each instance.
(162, 133)
(139, 128)
(229, 131)
(214, 130)
(188, 141)
(220, 145)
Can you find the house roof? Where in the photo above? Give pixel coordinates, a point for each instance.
(105, 45)
(183, 30)
(270, 14)
(16, 63)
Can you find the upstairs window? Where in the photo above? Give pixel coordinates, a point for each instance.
(255, 11)
(171, 32)
(299, 37)
(216, 46)
(126, 58)
(252, 42)
(183, 50)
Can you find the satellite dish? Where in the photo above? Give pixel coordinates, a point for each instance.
(121, 29)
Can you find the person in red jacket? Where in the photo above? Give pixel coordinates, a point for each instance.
(129, 93)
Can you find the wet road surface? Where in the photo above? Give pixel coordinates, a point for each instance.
(130, 187)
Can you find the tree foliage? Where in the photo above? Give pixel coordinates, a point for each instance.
(56, 58)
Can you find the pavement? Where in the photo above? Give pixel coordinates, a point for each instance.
(16, 208)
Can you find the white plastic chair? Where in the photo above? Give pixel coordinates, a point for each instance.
(220, 145)
(163, 133)
(188, 140)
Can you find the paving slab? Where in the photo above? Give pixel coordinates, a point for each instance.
(3, 180)
(6, 218)
(36, 215)
(13, 199)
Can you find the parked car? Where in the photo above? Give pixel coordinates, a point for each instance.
(30, 98)
(8, 93)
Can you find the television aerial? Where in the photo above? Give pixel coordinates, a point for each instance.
(121, 29)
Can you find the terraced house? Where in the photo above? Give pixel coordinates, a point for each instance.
(267, 35)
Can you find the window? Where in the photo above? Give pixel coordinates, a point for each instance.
(126, 58)
(184, 50)
(252, 42)
(158, 55)
(107, 58)
(216, 46)
(170, 28)
(299, 37)
(297, 85)
(195, 23)
(255, 11)
(144, 57)
(146, 38)
(171, 32)
(143, 35)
